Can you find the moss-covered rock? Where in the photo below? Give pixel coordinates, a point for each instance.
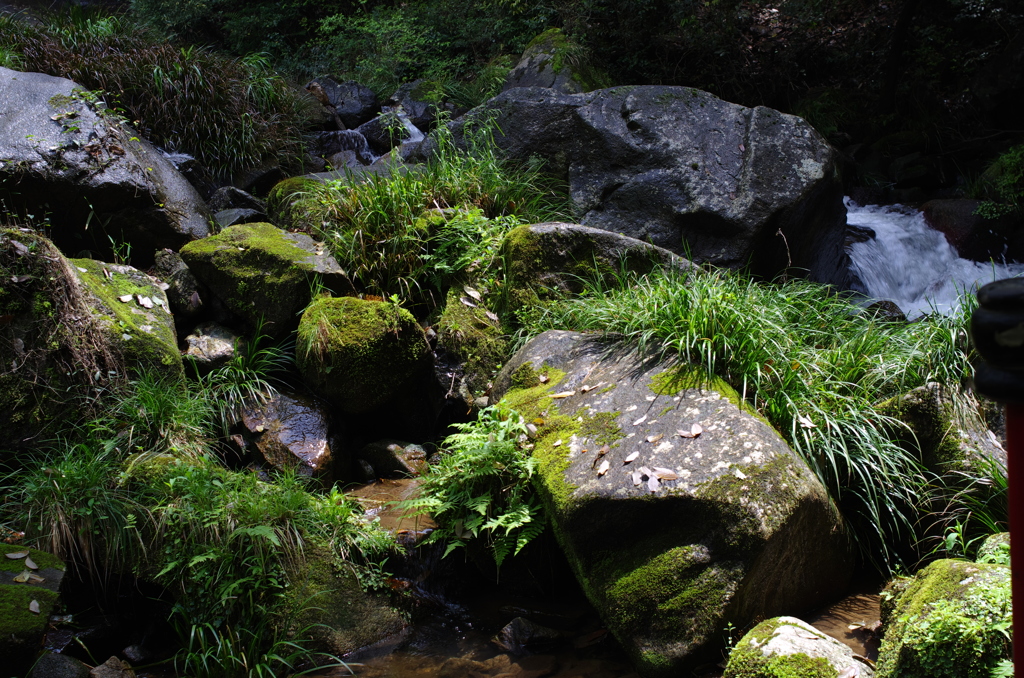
(995, 549)
(332, 609)
(53, 352)
(545, 261)
(360, 354)
(951, 620)
(553, 61)
(134, 311)
(21, 629)
(472, 336)
(947, 438)
(786, 647)
(264, 274)
(285, 202)
(677, 536)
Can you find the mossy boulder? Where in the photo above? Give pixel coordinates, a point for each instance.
(948, 438)
(53, 349)
(786, 647)
(133, 310)
(671, 536)
(332, 609)
(553, 61)
(467, 333)
(361, 354)
(264, 275)
(21, 630)
(995, 549)
(286, 200)
(951, 620)
(549, 260)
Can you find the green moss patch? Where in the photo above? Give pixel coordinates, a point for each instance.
(471, 335)
(951, 620)
(45, 561)
(145, 337)
(358, 353)
(21, 630)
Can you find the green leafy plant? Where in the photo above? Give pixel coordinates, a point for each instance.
(156, 414)
(74, 501)
(479, 488)
(808, 362)
(1005, 178)
(972, 505)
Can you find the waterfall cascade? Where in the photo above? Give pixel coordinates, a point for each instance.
(913, 265)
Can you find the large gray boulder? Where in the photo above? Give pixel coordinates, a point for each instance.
(63, 155)
(679, 509)
(684, 170)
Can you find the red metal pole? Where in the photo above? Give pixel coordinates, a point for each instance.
(1015, 503)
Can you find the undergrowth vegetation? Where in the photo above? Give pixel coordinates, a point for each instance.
(231, 113)
(394, 232)
(807, 360)
(139, 490)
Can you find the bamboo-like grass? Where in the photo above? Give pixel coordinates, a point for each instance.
(811, 361)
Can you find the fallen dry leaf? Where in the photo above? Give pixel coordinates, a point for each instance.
(17, 555)
(640, 420)
(467, 302)
(564, 394)
(637, 478)
(694, 431)
(33, 607)
(31, 564)
(491, 315)
(473, 293)
(655, 438)
(632, 456)
(665, 474)
(22, 578)
(603, 468)
(543, 378)
(653, 484)
(805, 422)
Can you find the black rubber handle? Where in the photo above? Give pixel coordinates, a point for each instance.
(997, 331)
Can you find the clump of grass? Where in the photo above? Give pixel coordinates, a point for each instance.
(381, 230)
(157, 414)
(229, 113)
(812, 364)
(249, 379)
(74, 502)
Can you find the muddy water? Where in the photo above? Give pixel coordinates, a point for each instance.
(853, 621)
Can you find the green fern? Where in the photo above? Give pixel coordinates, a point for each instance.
(480, 488)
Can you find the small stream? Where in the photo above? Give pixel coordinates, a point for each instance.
(911, 264)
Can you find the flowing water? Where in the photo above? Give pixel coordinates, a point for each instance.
(911, 264)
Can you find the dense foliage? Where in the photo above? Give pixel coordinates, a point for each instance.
(849, 67)
(230, 113)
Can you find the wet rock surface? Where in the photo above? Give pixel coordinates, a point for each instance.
(291, 431)
(394, 458)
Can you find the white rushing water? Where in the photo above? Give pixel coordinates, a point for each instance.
(912, 264)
